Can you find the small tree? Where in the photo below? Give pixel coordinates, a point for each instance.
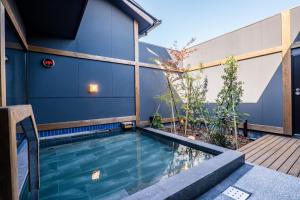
(174, 79)
(226, 111)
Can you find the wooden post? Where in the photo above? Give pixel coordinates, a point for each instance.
(9, 117)
(137, 74)
(2, 57)
(286, 72)
(8, 155)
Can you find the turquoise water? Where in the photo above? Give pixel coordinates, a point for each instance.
(112, 167)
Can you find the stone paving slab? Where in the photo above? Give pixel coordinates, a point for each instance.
(262, 183)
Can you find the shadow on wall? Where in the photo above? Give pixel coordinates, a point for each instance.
(153, 82)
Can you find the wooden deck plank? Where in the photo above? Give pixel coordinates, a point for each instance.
(270, 152)
(282, 159)
(276, 155)
(260, 147)
(254, 146)
(295, 170)
(255, 143)
(261, 151)
(287, 165)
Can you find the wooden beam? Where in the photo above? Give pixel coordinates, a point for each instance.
(241, 57)
(137, 74)
(91, 122)
(287, 72)
(164, 120)
(2, 57)
(155, 66)
(264, 128)
(79, 55)
(73, 54)
(13, 45)
(296, 45)
(254, 127)
(14, 15)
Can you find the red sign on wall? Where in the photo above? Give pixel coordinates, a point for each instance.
(48, 62)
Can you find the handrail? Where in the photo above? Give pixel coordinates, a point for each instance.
(9, 118)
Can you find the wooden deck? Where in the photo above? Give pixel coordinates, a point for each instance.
(275, 152)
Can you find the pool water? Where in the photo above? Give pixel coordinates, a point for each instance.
(112, 167)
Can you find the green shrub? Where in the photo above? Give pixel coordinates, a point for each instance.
(157, 121)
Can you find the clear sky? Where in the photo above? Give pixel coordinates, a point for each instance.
(206, 19)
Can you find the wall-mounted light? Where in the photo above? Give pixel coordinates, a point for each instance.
(48, 63)
(93, 88)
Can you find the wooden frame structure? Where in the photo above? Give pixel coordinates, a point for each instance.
(284, 49)
(287, 72)
(91, 122)
(9, 118)
(137, 74)
(2, 57)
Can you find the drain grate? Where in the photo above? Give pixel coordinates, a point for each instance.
(236, 193)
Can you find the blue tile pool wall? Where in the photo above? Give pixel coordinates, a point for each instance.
(77, 138)
(67, 131)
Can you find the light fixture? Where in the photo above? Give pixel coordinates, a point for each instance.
(93, 88)
(96, 175)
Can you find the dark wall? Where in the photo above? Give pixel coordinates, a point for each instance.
(153, 82)
(15, 77)
(150, 52)
(15, 69)
(104, 30)
(61, 93)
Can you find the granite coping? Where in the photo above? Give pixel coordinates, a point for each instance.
(199, 145)
(197, 180)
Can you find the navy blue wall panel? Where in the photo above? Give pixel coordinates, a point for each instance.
(123, 81)
(95, 72)
(59, 81)
(152, 84)
(104, 30)
(150, 52)
(15, 70)
(94, 35)
(61, 93)
(50, 110)
(15, 77)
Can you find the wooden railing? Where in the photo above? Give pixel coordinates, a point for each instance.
(9, 118)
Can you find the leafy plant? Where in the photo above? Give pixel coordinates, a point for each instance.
(157, 121)
(226, 111)
(174, 64)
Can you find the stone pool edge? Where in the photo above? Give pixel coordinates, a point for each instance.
(197, 180)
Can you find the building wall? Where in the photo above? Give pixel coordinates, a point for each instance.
(153, 82)
(15, 69)
(60, 94)
(104, 30)
(295, 24)
(262, 76)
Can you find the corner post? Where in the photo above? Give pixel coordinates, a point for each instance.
(2, 57)
(137, 73)
(287, 72)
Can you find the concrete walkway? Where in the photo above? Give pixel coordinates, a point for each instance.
(262, 183)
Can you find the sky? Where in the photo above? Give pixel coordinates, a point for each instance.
(206, 19)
